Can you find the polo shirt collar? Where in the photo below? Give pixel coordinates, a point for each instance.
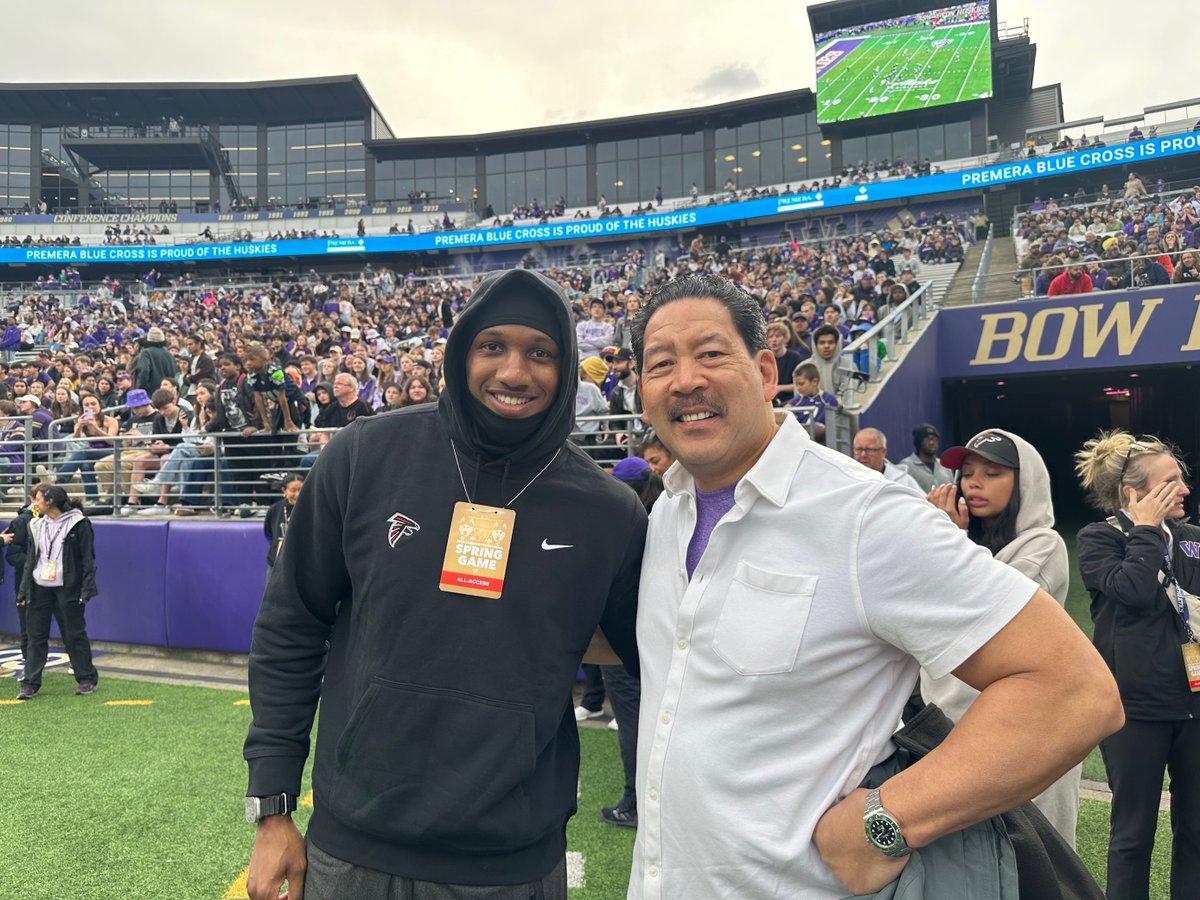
(772, 474)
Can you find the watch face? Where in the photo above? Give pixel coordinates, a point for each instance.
(883, 832)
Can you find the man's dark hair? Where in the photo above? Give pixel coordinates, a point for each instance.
(195, 336)
(162, 397)
(231, 356)
(744, 309)
(824, 330)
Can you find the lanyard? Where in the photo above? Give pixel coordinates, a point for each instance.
(463, 481)
(1180, 600)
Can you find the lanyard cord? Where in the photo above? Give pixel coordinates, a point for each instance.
(1180, 599)
(467, 493)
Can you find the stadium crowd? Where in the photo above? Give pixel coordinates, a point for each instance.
(1137, 239)
(177, 360)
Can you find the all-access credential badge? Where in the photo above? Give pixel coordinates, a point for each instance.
(477, 550)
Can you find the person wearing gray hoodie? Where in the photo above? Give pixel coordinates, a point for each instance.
(1002, 499)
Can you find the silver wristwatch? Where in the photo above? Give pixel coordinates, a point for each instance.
(258, 808)
(883, 831)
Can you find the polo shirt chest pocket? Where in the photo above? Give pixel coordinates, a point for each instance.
(762, 620)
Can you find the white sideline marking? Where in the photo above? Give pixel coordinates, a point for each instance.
(575, 877)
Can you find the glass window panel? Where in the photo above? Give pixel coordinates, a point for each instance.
(694, 142)
(494, 165)
(335, 132)
(627, 149)
(444, 166)
(770, 129)
(793, 126)
(670, 143)
(535, 185)
(514, 162)
(606, 174)
(771, 162)
(958, 140)
(747, 134)
(354, 131)
(446, 189)
(671, 175)
(497, 194)
(424, 168)
(854, 151)
(648, 146)
(932, 141)
(535, 159)
(465, 165)
(879, 147)
(648, 178)
(576, 185)
(693, 172)
(577, 156)
(556, 156)
(793, 170)
(904, 144)
(627, 175)
(725, 137)
(515, 188)
(556, 184)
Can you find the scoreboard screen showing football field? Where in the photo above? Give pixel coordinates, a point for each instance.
(909, 62)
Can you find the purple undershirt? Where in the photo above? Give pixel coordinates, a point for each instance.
(710, 506)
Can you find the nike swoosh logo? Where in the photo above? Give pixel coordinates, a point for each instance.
(548, 546)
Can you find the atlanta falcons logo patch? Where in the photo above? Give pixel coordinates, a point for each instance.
(400, 526)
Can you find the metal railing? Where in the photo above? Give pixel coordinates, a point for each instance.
(892, 331)
(221, 474)
(1025, 280)
(979, 285)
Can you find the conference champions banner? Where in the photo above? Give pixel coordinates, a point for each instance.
(628, 226)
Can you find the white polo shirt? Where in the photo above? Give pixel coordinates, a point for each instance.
(773, 680)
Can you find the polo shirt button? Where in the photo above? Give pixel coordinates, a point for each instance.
(682, 644)
(682, 573)
(653, 794)
(654, 871)
(666, 718)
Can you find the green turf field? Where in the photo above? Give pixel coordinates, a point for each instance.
(894, 71)
(133, 799)
(110, 797)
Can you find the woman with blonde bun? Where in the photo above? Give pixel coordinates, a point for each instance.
(1142, 567)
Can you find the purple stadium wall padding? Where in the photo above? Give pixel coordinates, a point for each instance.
(130, 606)
(171, 584)
(214, 578)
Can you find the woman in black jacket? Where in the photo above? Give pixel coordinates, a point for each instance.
(1141, 565)
(59, 576)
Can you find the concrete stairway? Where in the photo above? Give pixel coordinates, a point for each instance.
(996, 289)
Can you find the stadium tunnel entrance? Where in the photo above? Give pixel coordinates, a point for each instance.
(1057, 412)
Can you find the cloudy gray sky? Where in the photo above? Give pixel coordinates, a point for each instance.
(439, 67)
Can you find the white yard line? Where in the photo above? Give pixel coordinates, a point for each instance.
(982, 44)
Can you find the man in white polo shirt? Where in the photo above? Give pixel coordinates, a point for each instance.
(789, 598)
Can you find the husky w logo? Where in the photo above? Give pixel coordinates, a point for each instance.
(1191, 549)
(401, 527)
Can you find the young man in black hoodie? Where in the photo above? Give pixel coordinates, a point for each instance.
(447, 753)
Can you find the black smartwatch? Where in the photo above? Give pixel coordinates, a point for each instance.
(258, 808)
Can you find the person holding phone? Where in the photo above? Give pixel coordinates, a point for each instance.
(97, 430)
(1001, 498)
(1140, 565)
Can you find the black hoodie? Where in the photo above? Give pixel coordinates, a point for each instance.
(447, 749)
